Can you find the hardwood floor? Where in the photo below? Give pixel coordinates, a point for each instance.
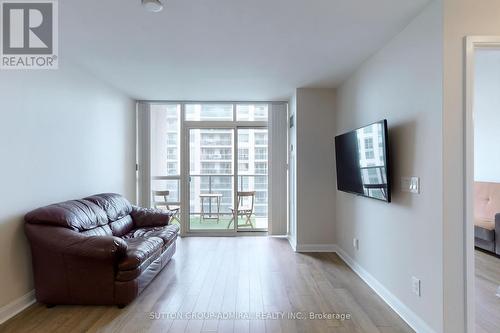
(260, 275)
(487, 303)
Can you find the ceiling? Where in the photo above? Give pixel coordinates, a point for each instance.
(227, 49)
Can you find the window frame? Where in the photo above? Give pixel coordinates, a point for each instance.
(183, 145)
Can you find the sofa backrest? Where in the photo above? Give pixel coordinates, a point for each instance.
(486, 200)
(99, 215)
(79, 215)
(117, 209)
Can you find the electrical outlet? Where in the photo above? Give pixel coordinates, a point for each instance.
(415, 286)
(355, 243)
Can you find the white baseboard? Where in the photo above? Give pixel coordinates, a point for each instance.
(316, 248)
(10, 310)
(399, 307)
(292, 243)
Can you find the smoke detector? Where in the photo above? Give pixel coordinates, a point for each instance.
(153, 5)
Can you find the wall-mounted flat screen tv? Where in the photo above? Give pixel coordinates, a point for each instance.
(362, 162)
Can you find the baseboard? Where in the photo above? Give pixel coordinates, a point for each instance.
(415, 322)
(292, 243)
(10, 310)
(316, 248)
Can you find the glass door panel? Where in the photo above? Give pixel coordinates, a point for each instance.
(211, 175)
(252, 184)
(165, 124)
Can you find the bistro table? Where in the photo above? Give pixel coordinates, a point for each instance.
(210, 215)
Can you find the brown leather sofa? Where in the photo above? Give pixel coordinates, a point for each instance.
(487, 216)
(100, 250)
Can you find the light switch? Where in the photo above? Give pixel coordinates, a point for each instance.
(410, 184)
(415, 286)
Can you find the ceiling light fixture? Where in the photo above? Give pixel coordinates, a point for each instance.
(153, 5)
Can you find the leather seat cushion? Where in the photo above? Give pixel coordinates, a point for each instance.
(122, 226)
(167, 233)
(484, 230)
(154, 264)
(105, 230)
(140, 251)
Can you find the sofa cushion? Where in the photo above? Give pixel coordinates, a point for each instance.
(150, 217)
(484, 230)
(486, 200)
(122, 226)
(115, 205)
(104, 230)
(131, 274)
(140, 251)
(166, 233)
(79, 215)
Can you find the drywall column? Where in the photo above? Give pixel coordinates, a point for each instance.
(315, 169)
(278, 127)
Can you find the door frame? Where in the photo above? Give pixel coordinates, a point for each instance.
(185, 156)
(188, 126)
(234, 125)
(472, 43)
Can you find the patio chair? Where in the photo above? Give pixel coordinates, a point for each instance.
(243, 209)
(163, 204)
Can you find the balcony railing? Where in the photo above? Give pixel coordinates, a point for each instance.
(213, 184)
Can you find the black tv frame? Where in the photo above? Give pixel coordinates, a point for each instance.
(386, 161)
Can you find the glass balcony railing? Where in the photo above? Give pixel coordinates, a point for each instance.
(212, 195)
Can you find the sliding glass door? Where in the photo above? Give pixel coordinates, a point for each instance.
(211, 178)
(219, 195)
(252, 179)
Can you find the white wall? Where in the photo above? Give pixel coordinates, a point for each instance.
(487, 116)
(461, 18)
(63, 135)
(403, 84)
(315, 168)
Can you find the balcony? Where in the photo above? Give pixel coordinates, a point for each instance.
(216, 213)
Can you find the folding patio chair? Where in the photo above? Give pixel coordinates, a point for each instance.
(163, 204)
(243, 209)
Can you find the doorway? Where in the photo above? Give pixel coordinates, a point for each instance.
(482, 204)
(228, 178)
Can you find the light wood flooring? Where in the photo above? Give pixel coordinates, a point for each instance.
(260, 275)
(487, 303)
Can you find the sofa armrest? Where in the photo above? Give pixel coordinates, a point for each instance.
(70, 243)
(71, 268)
(497, 233)
(149, 217)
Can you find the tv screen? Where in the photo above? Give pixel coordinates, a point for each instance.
(362, 162)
